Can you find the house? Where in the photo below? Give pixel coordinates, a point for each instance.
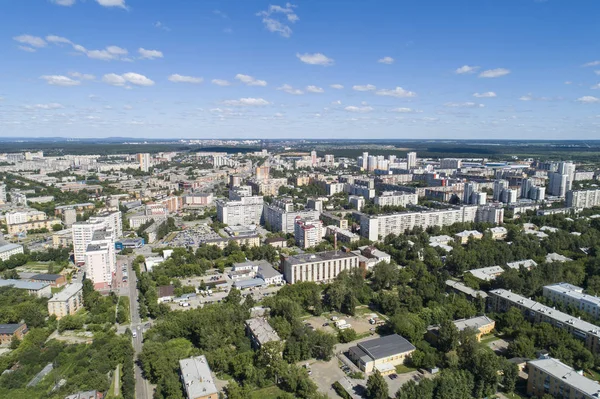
(554, 257)
(277, 242)
(487, 273)
(498, 232)
(55, 280)
(527, 264)
(380, 353)
(260, 332)
(8, 331)
(463, 236)
(372, 252)
(197, 379)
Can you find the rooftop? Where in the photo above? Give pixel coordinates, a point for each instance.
(568, 375)
(9, 328)
(457, 285)
(474, 322)
(527, 264)
(67, 292)
(24, 285)
(487, 273)
(262, 330)
(318, 257)
(46, 277)
(554, 257)
(196, 376)
(574, 292)
(383, 347)
(9, 247)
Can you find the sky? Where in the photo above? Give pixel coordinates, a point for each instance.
(431, 69)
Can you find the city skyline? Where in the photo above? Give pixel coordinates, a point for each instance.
(106, 68)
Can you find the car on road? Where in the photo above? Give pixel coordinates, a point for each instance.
(134, 334)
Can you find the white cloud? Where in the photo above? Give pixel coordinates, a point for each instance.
(289, 89)
(247, 102)
(160, 25)
(220, 82)
(314, 89)
(108, 54)
(33, 41)
(568, 82)
(367, 87)
(596, 86)
(362, 110)
(527, 97)
(130, 77)
(150, 54)
(397, 92)
(531, 97)
(66, 3)
(27, 49)
(58, 39)
(127, 107)
(45, 106)
(338, 102)
(59, 80)
(82, 76)
(315, 59)
(112, 3)
(467, 104)
(337, 86)
(466, 69)
(177, 78)
(593, 63)
(494, 73)
(249, 80)
(386, 60)
(588, 99)
(272, 21)
(406, 110)
(487, 94)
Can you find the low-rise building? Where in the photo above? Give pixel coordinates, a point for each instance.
(571, 295)
(554, 257)
(498, 232)
(41, 290)
(463, 236)
(8, 250)
(381, 354)
(372, 252)
(482, 324)
(343, 235)
(66, 302)
(55, 280)
(487, 273)
(197, 379)
(260, 332)
(527, 264)
(8, 331)
(461, 288)
(62, 238)
(550, 376)
(317, 267)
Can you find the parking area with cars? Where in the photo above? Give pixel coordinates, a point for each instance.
(193, 236)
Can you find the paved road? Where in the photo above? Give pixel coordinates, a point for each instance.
(143, 390)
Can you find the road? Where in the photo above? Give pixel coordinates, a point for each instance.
(143, 390)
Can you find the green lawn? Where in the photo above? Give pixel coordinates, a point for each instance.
(489, 338)
(57, 289)
(111, 391)
(41, 267)
(272, 392)
(402, 369)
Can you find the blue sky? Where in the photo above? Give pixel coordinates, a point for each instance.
(308, 69)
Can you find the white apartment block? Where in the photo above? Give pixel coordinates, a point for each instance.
(113, 222)
(66, 302)
(24, 217)
(490, 214)
(451, 163)
(396, 198)
(8, 250)
(571, 295)
(319, 267)
(380, 226)
(583, 198)
(2, 193)
(308, 233)
(145, 161)
(245, 211)
(281, 216)
(101, 259)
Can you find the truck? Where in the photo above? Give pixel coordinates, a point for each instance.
(340, 323)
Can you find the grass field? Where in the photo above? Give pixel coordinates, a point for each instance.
(34, 267)
(402, 369)
(111, 391)
(271, 392)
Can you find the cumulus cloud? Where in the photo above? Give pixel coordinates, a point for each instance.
(176, 78)
(289, 89)
(337, 86)
(386, 60)
(33, 41)
(129, 77)
(249, 101)
(531, 97)
(149, 54)
(220, 82)
(249, 80)
(592, 63)
(60, 80)
(112, 3)
(404, 110)
(494, 73)
(58, 39)
(108, 54)
(367, 87)
(588, 99)
(466, 69)
(397, 92)
(82, 76)
(315, 59)
(314, 89)
(276, 19)
(362, 110)
(464, 105)
(487, 94)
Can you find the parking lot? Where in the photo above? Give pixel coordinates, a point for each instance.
(359, 323)
(192, 236)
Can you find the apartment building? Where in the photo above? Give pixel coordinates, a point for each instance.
(82, 236)
(197, 378)
(113, 222)
(375, 227)
(100, 259)
(583, 198)
(280, 215)
(501, 300)
(551, 376)
(8, 250)
(329, 218)
(308, 233)
(571, 295)
(318, 267)
(396, 198)
(343, 235)
(20, 217)
(260, 332)
(245, 211)
(66, 302)
(490, 214)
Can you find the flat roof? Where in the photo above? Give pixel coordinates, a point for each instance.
(318, 257)
(574, 292)
(568, 375)
(486, 273)
(10, 247)
(262, 330)
(67, 292)
(46, 277)
(197, 379)
(253, 282)
(527, 263)
(387, 346)
(23, 285)
(474, 322)
(457, 285)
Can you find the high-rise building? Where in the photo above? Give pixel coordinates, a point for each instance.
(478, 198)
(364, 160)
(2, 193)
(262, 172)
(313, 158)
(499, 186)
(583, 198)
(396, 198)
(315, 203)
(329, 159)
(82, 236)
(557, 184)
(69, 216)
(450, 163)
(526, 186)
(411, 160)
(145, 161)
(280, 215)
(537, 193)
(245, 211)
(490, 214)
(470, 188)
(308, 233)
(100, 259)
(509, 196)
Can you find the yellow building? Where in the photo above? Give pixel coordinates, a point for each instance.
(66, 302)
(550, 376)
(381, 354)
(483, 324)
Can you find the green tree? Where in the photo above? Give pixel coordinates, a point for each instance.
(377, 387)
(510, 374)
(447, 336)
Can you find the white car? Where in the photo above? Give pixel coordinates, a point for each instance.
(134, 334)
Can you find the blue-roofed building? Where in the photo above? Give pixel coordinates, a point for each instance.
(41, 290)
(250, 283)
